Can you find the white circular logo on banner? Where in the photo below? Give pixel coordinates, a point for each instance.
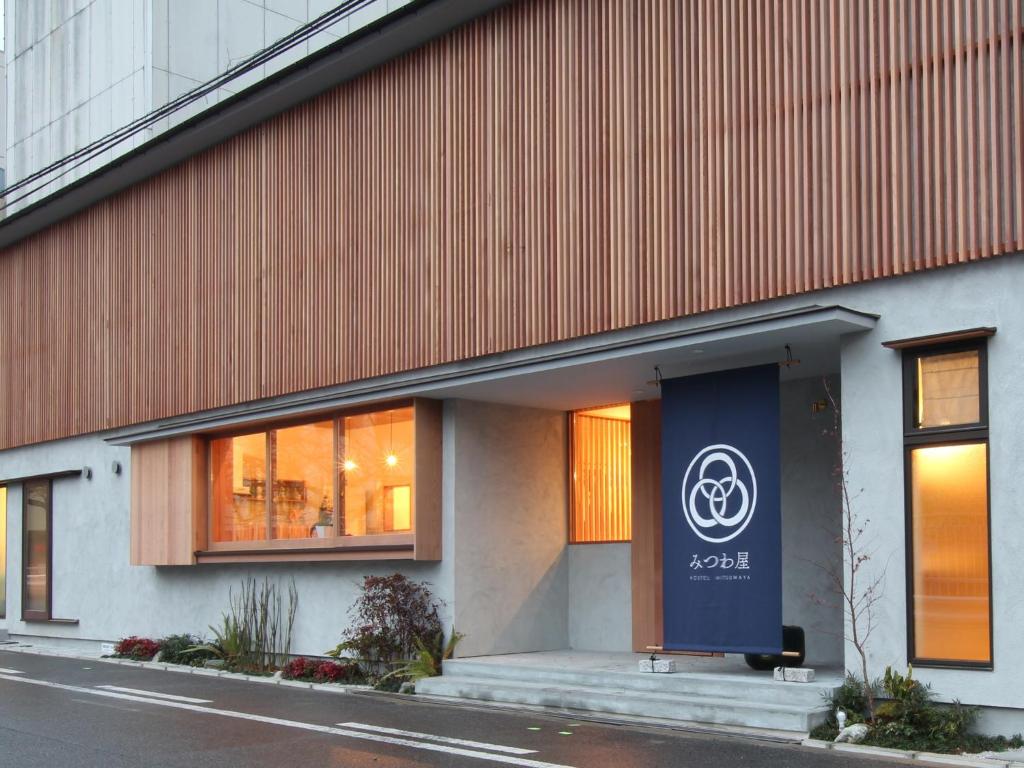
(719, 493)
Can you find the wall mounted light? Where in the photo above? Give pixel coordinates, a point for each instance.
(87, 473)
(115, 467)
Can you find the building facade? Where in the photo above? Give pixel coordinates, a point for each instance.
(418, 304)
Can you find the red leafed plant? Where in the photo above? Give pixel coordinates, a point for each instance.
(319, 671)
(137, 648)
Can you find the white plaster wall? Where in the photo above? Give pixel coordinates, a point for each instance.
(600, 598)
(93, 581)
(811, 519)
(987, 293)
(510, 528)
(80, 69)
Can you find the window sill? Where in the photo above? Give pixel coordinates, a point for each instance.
(383, 547)
(65, 622)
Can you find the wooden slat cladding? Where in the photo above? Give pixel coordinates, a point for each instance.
(168, 512)
(552, 170)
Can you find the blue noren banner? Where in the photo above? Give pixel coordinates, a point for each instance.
(721, 506)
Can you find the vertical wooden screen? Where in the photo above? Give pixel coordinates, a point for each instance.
(552, 170)
(601, 506)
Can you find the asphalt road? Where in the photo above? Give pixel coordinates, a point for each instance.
(66, 712)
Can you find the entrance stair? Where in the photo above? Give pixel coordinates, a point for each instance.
(716, 691)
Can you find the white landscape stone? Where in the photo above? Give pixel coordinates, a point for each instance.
(664, 666)
(852, 734)
(799, 675)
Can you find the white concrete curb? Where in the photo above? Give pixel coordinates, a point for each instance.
(182, 669)
(934, 758)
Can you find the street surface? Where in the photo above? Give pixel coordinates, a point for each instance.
(68, 712)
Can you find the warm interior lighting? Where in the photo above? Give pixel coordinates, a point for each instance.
(350, 465)
(372, 499)
(617, 412)
(601, 475)
(950, 549)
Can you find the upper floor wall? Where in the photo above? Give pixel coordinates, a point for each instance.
(551, 170)
(81, 69)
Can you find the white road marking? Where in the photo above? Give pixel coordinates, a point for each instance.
(353, 734)
(154, 694)
(442, 739)
(4, 671)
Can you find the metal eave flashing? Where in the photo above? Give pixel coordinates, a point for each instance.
(421, 382)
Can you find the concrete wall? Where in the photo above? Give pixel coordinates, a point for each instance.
(93, 582)
(80, 69)
(510, 528)
(600, 600)
(811, 519)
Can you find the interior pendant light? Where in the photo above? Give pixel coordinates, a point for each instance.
(391, 459)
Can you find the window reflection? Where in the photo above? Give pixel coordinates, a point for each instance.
(37, 548)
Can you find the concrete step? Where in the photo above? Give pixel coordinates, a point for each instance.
(763, 689)
(751, 712)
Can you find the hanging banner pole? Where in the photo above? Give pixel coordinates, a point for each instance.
(721, 506)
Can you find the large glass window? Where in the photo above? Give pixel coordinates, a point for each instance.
(377, 472)
(361, 465)
(601, 506)
(948, 576)
(3, 552)
(36, 560)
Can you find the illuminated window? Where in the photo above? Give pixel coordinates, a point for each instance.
(3, 552)
(360, 465)
(377, 472)
(601, 489)
(948, 506)
(302, 500)
(36, 560)
(239, 468)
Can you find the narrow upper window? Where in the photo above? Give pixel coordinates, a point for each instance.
(946, 438)
(601, 504)
(37, 563)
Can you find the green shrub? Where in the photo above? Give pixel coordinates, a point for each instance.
(176, 649)
(908, 718)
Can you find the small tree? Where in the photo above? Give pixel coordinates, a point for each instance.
(858, 590)
(391, 616)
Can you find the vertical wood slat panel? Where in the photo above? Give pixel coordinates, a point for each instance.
(551, 170)
(601, 486)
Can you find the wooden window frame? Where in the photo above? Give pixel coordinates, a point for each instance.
(422, 542)
(27, 615)
(961, 434)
